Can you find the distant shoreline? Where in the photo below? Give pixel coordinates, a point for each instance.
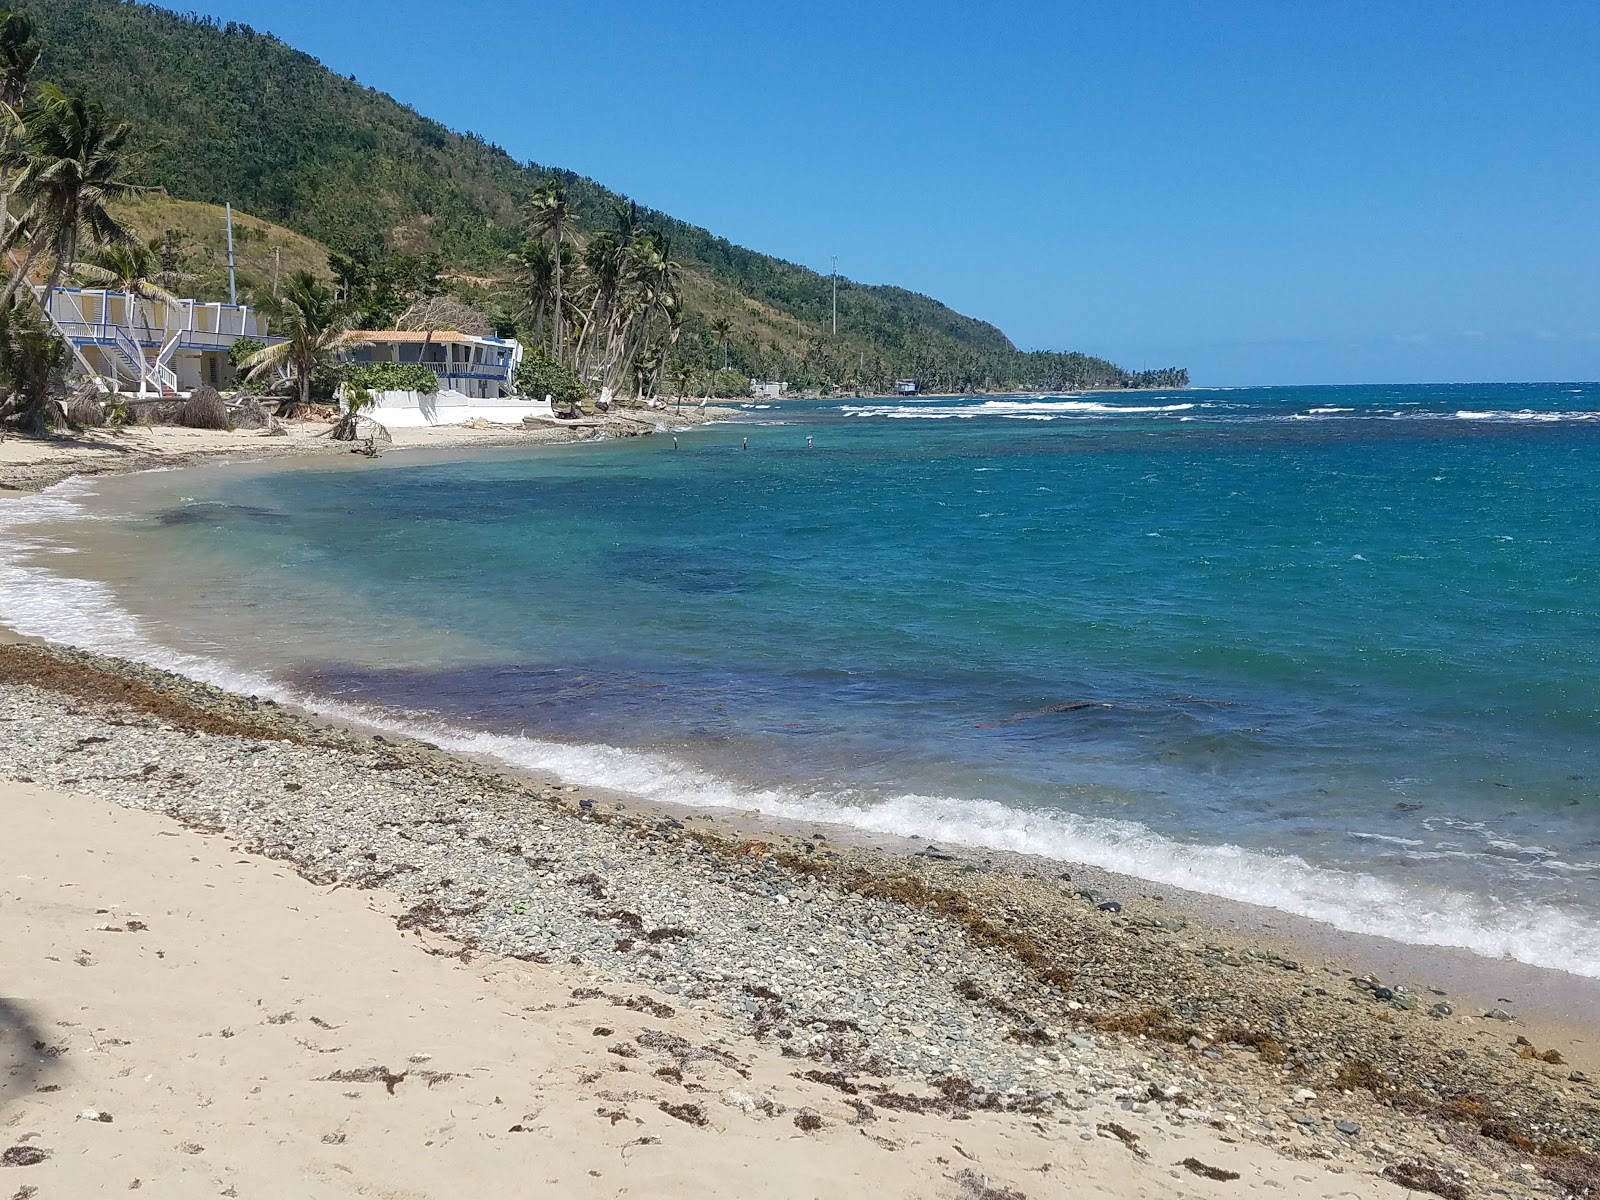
(30, 464)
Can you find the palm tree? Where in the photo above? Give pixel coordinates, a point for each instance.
(71, 154)
(535, 270)
(19, 55)
(722, 327)
(653, 280)
(549, 214)
(131, 268)
(314, 325)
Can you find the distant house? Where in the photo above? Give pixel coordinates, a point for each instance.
(476, 377)
(905, 387)
(767, 389)
(149, 346)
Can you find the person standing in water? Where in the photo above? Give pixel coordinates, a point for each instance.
(747, 443)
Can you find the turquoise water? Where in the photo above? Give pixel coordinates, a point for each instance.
(1330, 649)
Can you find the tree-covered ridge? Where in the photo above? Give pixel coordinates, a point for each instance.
(226, 113)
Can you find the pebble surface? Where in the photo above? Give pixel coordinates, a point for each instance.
(847, 979)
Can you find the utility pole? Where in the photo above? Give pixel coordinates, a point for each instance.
(835, 295)
(276, 251)
(233, 293)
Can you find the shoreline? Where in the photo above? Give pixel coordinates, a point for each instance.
(1017, 983)
(29, 465)
(1247, 1010)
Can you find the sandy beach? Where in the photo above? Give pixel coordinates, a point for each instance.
(28, 464)
(209, 1023)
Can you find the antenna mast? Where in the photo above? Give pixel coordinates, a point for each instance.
(835, 295)
(233, 293)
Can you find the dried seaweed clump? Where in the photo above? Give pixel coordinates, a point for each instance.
(692, 1114)
(1420, 1177)
(1206, 1171)
(40, 668)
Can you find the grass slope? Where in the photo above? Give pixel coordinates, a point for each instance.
(261, 250)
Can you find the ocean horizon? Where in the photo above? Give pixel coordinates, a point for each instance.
(1330, 650)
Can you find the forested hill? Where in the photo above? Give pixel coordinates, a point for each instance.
(225, 113)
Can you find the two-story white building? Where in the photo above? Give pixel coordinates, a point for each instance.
(150, 346)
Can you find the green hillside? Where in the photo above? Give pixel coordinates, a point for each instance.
(225, 113)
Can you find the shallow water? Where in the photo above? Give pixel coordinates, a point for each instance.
(1328, 649)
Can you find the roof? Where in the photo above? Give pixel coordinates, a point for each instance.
(440, 337)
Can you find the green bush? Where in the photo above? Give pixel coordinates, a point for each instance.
(242, 349)
(538, 377)
(730, 383)
(391, 377)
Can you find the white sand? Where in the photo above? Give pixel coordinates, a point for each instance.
(197, 1036)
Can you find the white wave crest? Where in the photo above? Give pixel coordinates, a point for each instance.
(1524, 415)
(1007, 408)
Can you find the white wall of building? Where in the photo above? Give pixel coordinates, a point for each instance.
(416, 410)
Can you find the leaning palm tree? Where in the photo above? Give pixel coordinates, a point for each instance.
(313, 325)
(549, 215)
(71, 159)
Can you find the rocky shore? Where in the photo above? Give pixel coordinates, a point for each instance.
(995, 991)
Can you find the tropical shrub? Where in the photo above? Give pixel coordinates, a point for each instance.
(391, 377)
(539, 376)
(242, 349)
(730, 383)
(33, 362)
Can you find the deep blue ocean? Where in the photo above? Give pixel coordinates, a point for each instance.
(1334, 650)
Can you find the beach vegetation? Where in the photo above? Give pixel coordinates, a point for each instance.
(243, 348)
(356, 400)
(313, 324)
(390, 377)
(539, 375)
(20, 52)
(548, 215)
(33, 367)
(727, 384)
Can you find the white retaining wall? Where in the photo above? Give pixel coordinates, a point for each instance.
(412, 410)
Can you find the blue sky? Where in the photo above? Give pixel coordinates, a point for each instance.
(1268, 192)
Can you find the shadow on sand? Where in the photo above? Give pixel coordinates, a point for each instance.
(27, 1058)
